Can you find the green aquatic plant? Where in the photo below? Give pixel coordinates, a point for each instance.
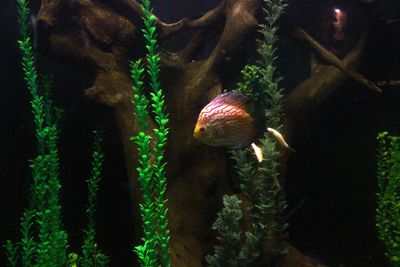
(227, 225)
(91, 255)
(388, 208)
(260, 82)
(152, 178)
(147, 252)
(43, 241)
(11, 253)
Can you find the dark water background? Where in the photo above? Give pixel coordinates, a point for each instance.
(333, 171)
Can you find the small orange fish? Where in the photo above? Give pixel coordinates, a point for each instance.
(225, 122)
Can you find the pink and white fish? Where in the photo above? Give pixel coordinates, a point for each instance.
(224, 122)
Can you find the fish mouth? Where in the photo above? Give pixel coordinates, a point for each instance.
(196, 140)
(197, 132)
(196, 136)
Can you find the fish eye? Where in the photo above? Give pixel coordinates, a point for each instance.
(202, 129)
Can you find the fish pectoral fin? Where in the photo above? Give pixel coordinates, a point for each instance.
(258, 152)
(281, 140)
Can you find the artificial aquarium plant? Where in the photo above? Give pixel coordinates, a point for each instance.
(153, 182)
(388, 208)
(43, 241)
(258, 182)
(91, 255)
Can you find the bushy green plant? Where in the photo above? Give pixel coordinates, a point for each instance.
(228, 227)
(388, 209)
(258, 182)
(151, 169)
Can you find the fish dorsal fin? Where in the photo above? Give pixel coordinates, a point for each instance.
(232, 98)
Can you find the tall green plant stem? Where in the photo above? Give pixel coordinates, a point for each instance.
(260, 83)
(161, 118)
(44, 213)
(152, 177)
(91, 255)
(147, 253)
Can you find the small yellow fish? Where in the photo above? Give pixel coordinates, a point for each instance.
(280, 138)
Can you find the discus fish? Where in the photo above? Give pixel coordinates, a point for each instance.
(224, 122)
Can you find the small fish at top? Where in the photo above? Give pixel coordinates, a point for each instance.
(225, 122)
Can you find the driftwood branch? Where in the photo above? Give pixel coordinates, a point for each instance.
(393, 83)
(208, 19)
(132, 10)
(187, 54)
(306, 97)
(333, 59)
